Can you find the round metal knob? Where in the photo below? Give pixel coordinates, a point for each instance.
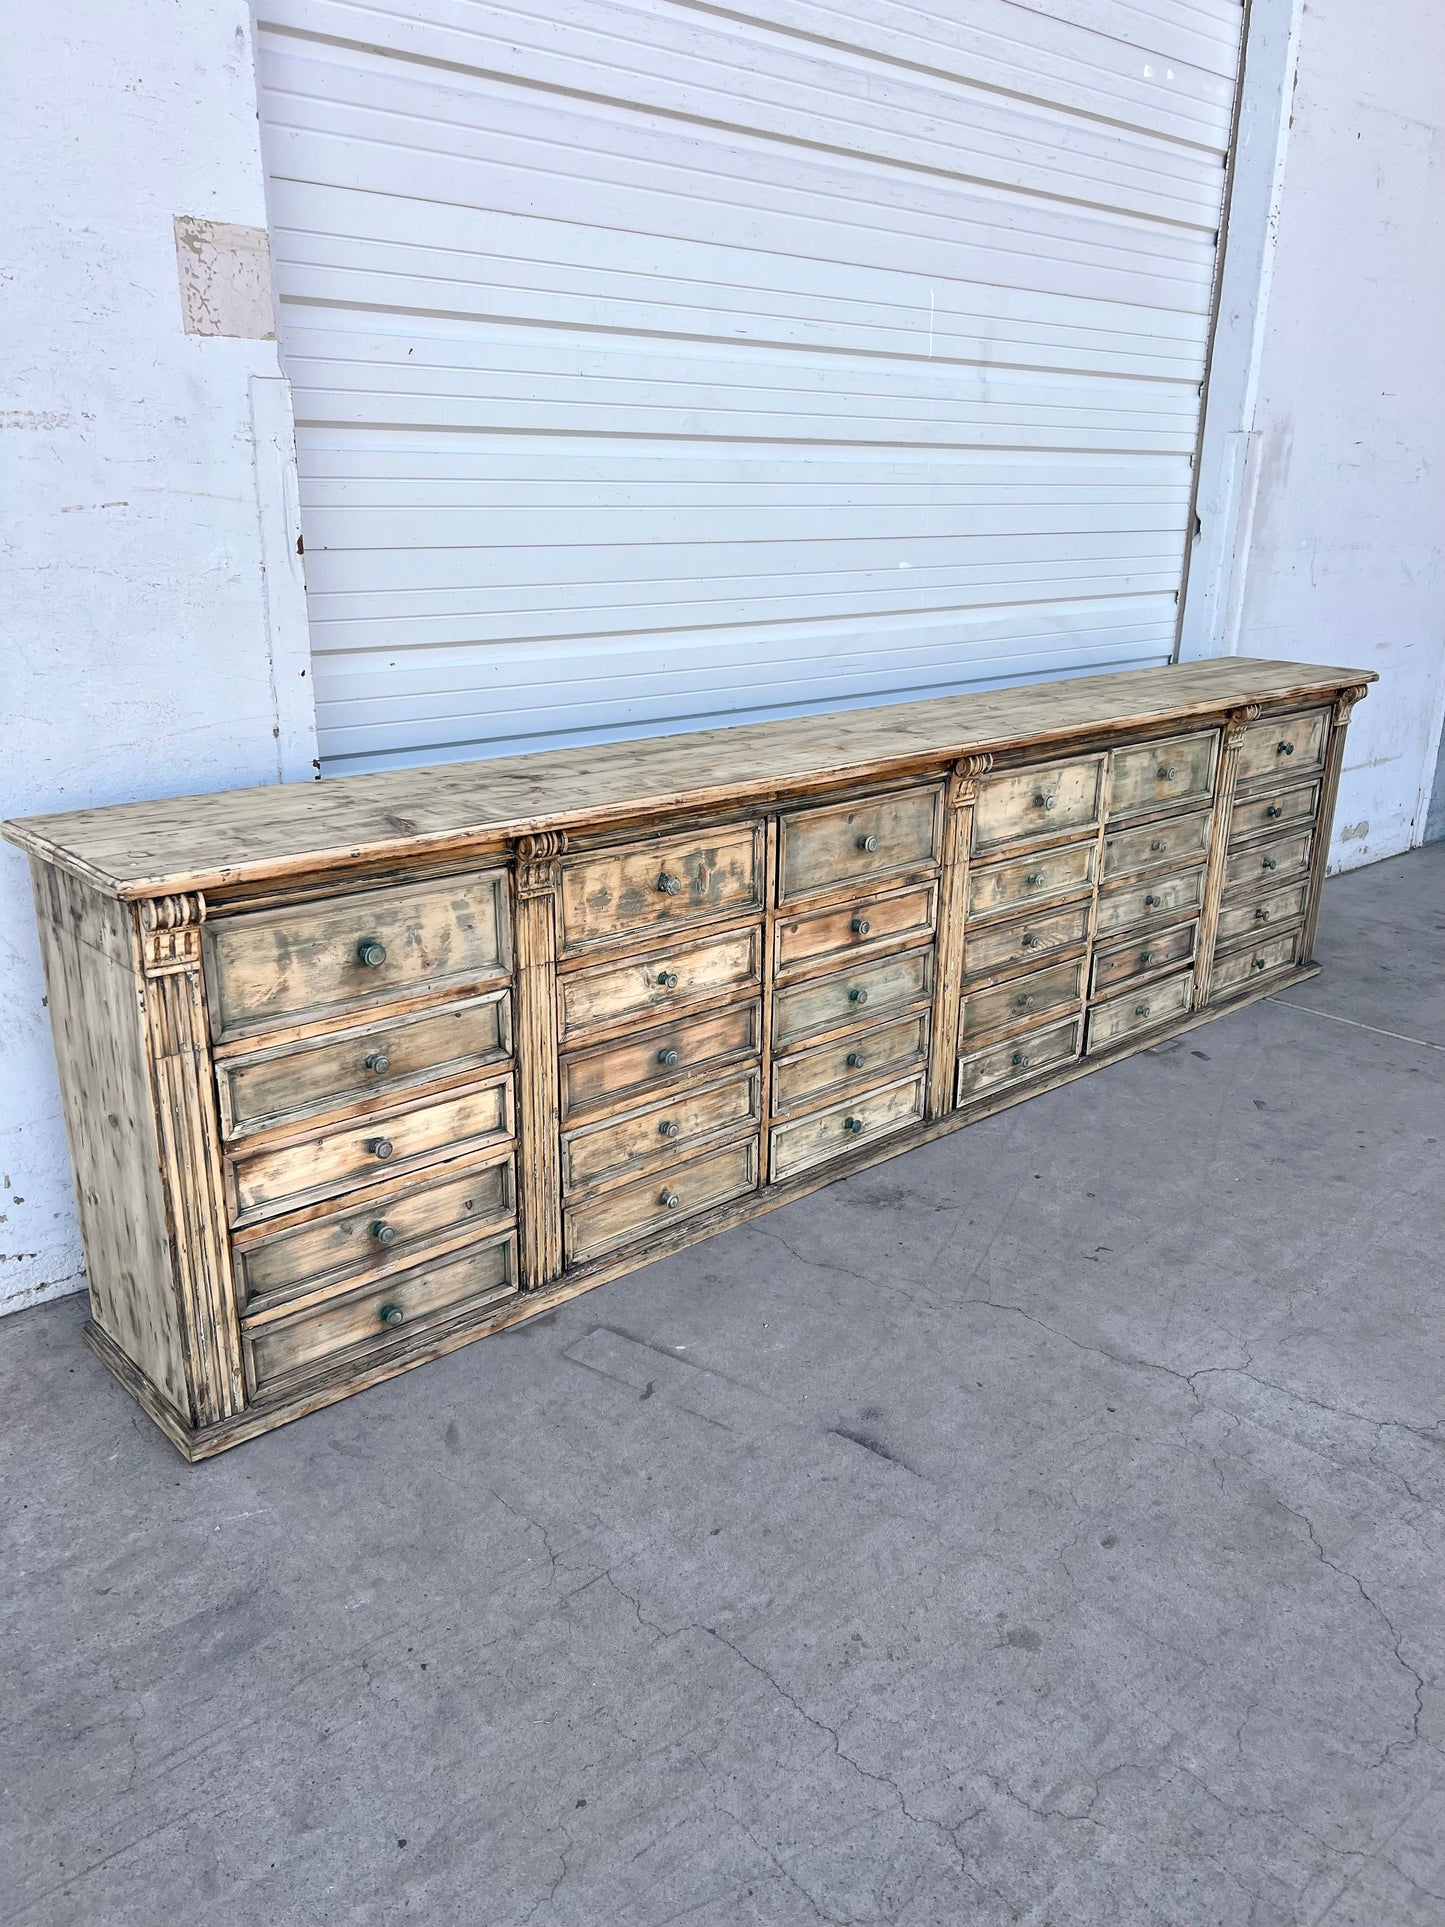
(857, 996)
(1157, 844)
(392, 1315)
(378, 1063)
(668, 1198)
(383, 1233)
(1256, 963)
(667, 1128)
(1029, 940)
(669, 886)
(380, 1147)
(1273, 810)
(855, 1060)
(1033, 879)
(1167, 772)
(1152, 903)
(371, 953)
(868, 844)
(1025, 1001)
(1141, 1010)
(667, 980)
(1286, 749)
(1146, 957)
(1261, 915)
(1020, 1059)
(667, 1057)
(1266, 862)
(853, 1125)
(1045, 800)
(860, 926)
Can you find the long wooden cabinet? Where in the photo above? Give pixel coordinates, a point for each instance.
(359, 1071)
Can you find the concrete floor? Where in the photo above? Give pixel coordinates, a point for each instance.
(1048, 1526)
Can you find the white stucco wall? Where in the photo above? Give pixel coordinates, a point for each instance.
(153, 631)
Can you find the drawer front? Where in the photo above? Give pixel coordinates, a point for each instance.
(357, 1151)
(823, 849)
(869, 991)
(1245, 921)
(1046, 801)
(1245, 967)
(1259, 865)
(269, 968)
(1024, 1001)
(1028, 880)
(659, 885)
(355, 1325)
(809, 1141)
(1154, 902)
(365, 1064)
(385, 1232)
(1252, 814)
(868, 922)
(635, 1210)
(1000, 947)
(609, 1075)
(827, 1070)
(1142, 957)
(987, 1071)
(1154, 776)
(1283, 745)
(663, 1131)
(1152, 845)
(1139, 1010)
(650, 986)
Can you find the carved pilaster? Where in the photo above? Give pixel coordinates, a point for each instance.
(1344, 708)
(962, 794)
(539, 1164)
(1235, 724)
(178, 1036)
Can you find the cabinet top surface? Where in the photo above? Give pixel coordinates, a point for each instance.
(283, 831)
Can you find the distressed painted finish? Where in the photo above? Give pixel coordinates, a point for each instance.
(296, 1177)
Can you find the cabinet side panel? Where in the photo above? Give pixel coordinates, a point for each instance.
(97, 1020)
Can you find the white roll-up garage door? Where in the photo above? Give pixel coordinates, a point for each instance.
(659, 363)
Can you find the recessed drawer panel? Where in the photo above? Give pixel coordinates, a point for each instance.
(357, 1151)
(266, 969)
(868, 922)
(1259, 865)
(1027, 880)
(653, 1203)
(1251, 814)
(824, 848)
(1283, 745)
(998, 947)
(861, 1058)
(987, 1071)
(1149, 903)
(869, 991)
(659, 885)
(382, 1232)
(1024, 1001)
(650, 986)
(1152, 845)
(610, 1075)
(1046, 801)
(809, 1141)
(1153, 776)
(1142, 957)
(1139, 1010)
(1249, 966)
(351, 1328)
(1248, 920)
(667, 1130)
(365, 1064)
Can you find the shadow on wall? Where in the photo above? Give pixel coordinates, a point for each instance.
(1435, 815)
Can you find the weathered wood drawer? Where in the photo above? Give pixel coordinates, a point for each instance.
(351, 1153)
(605, 994)
(808, 1141)
(611, 1075)
(1260, 864)
(1152, 845)
(1142, 957)
(347, 1329)
(672, 1129)
(269, 969)
(1277, 811)
(823, 849)
(1048, 799)
(1151, 903)
(867, 991)
(633, 1210)
(1154, 776)
(1022, 1002)
(664, 884)
(1138, 1010)
(868, 922)
(1018, 1060)
(1241, 968)
(1001, 947)
(1246, 920)
(363, 1065)
(384, 1230)
(1027, 880)
(827, 1070)
(1283, 745)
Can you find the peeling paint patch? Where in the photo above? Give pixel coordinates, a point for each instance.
(1354, 832)
(225, 275)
